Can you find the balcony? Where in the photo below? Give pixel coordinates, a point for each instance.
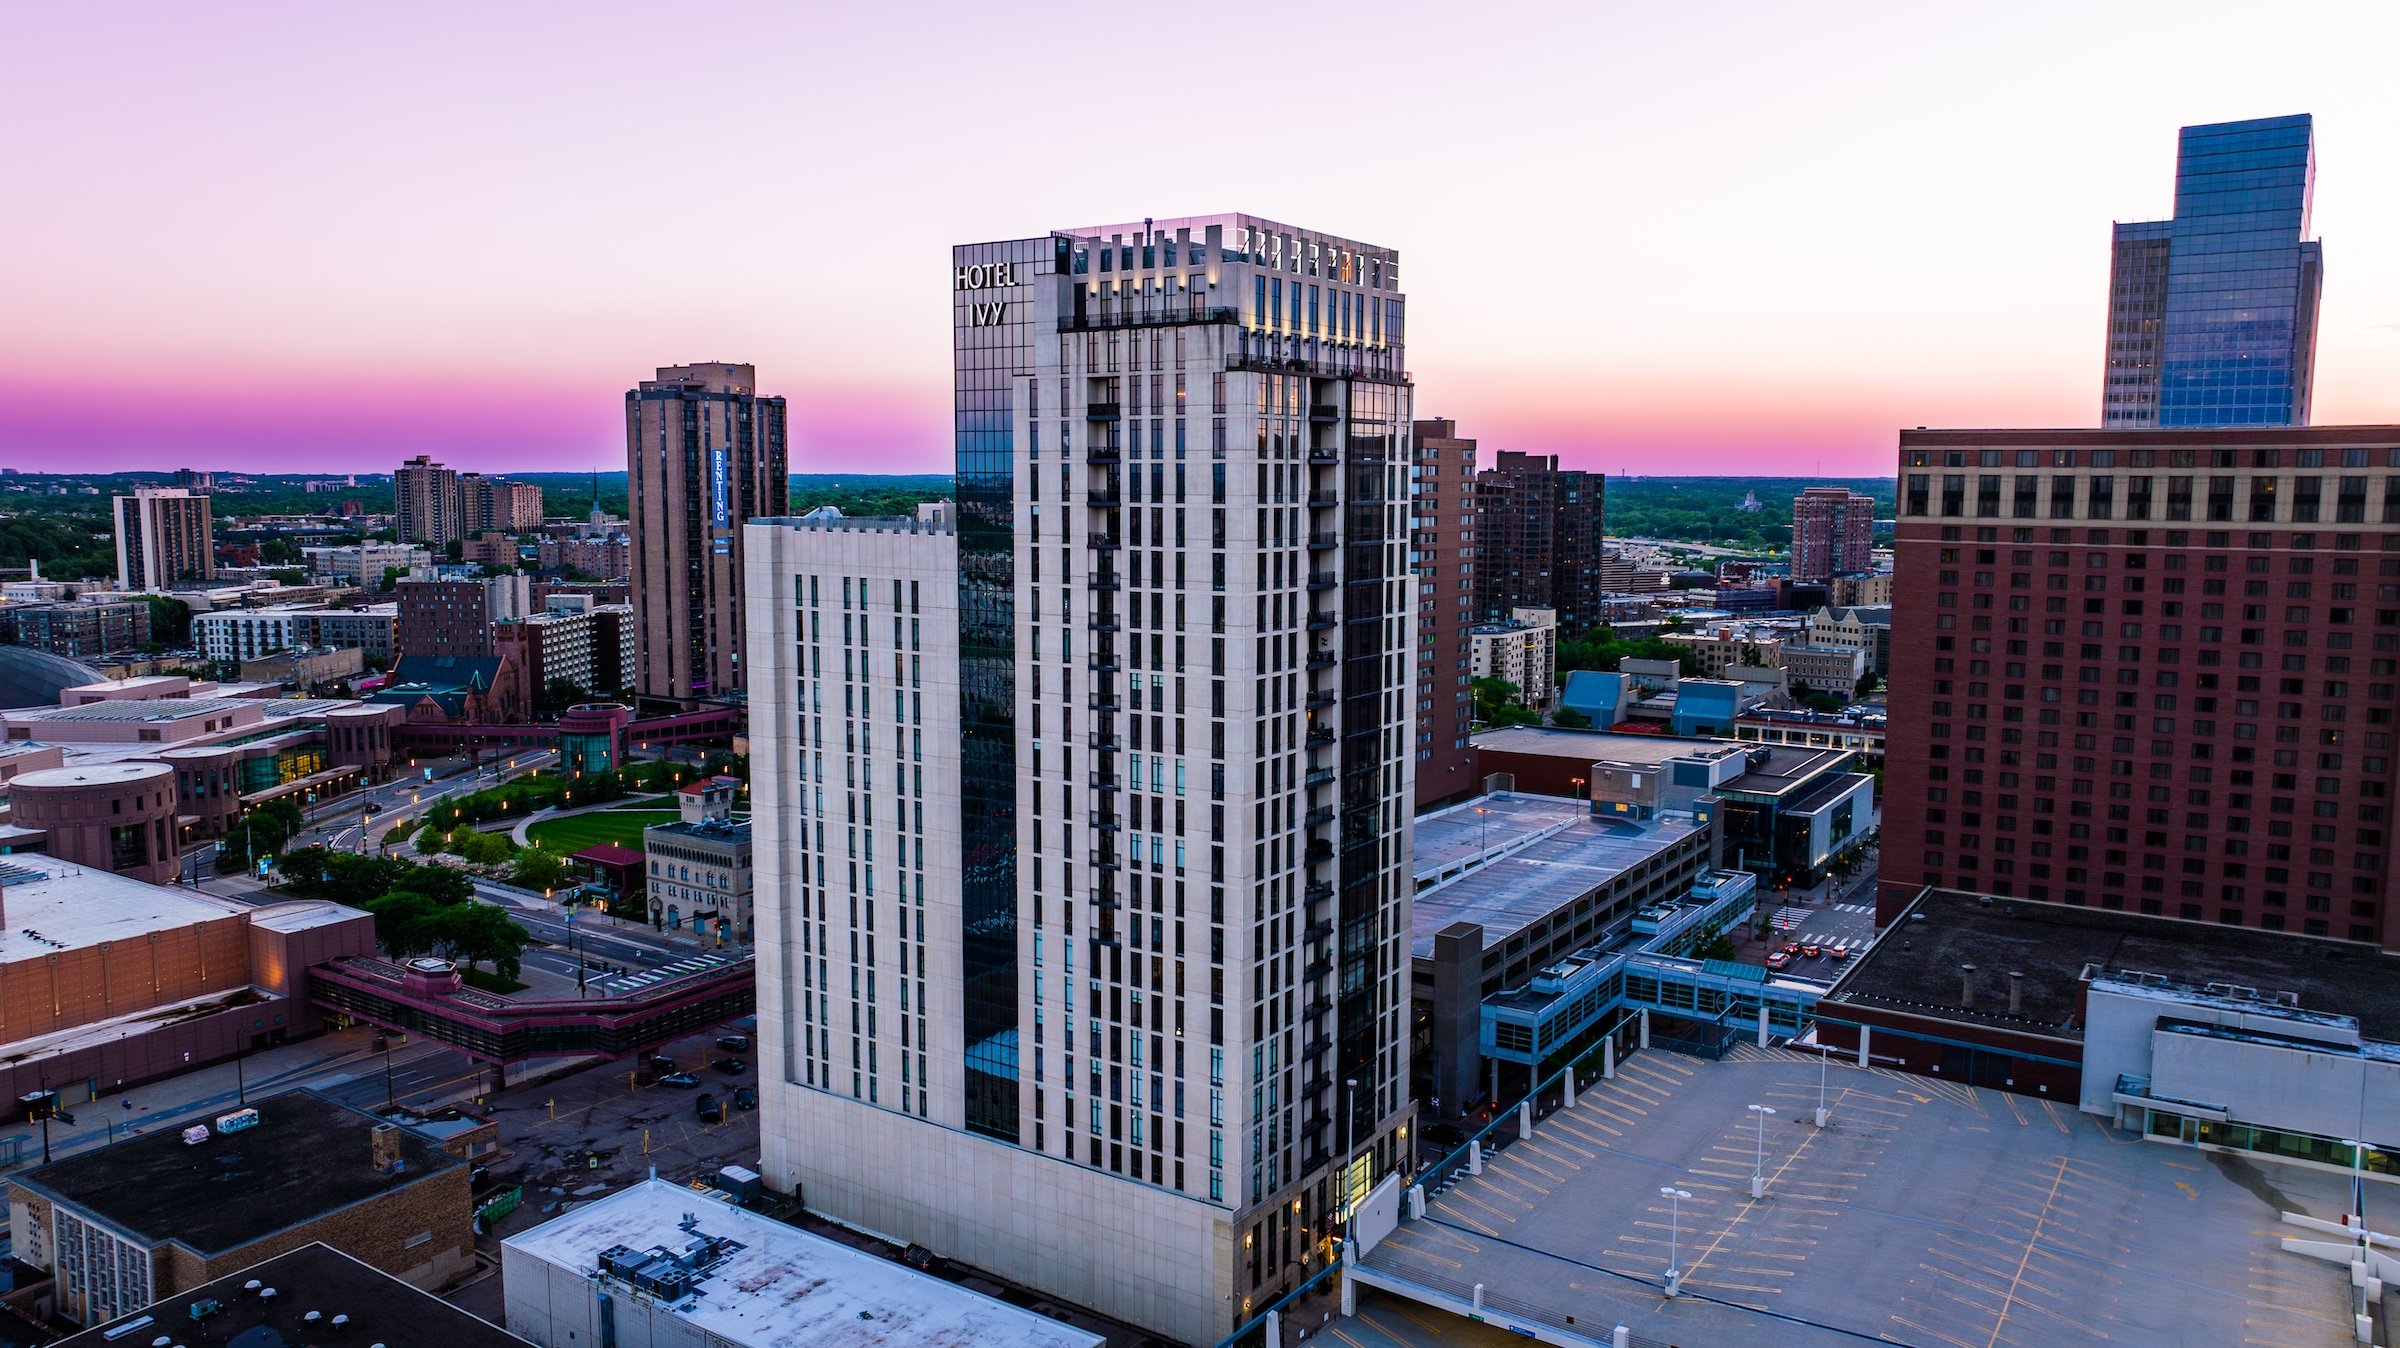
(1319, 852)
(1318, 931)
(1104, 662)
(1322, 540)
(1104, 701)
(1315, 1088)
(1158, 318)
(1321, 658)
(1105, 498)
(1322, 413)
(1318, 698)
(1320, 735)
(1103, 781)
(1105, 859)
(1324, 500)
(1102, 622)
(1105, 742)
(1323, 580)
(1321, 815)
(1320, 621)
(1102, 454)
(1324, 456)
(1320, 776)
(1102, 412)
(1103, 542)
(1104, 580)
(1318, 1005)
(1105, 819)
(1319, 892)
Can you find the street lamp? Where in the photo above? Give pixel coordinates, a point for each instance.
(1758, 1172)
(1674, 1197)
(1824, 1115)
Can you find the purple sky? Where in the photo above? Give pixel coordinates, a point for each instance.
(292, 237)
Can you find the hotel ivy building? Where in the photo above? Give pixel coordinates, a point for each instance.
(1105, 1003)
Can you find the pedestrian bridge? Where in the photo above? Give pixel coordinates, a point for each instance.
(427, 998)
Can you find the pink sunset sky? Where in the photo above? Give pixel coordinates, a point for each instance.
(1657, 238)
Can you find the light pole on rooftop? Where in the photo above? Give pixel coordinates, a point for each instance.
(1758, 1172)
(1674, 1197)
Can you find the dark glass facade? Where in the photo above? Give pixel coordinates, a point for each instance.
(2213, 314)
(992, 332)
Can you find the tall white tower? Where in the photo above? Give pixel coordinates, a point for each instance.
(1156, 992)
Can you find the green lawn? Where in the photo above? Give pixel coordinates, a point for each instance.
(576, 832)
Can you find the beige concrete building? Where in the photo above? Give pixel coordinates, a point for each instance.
(425, 503)
(1523, 650)
(163, 540)
(1724, 646)
(704, 455)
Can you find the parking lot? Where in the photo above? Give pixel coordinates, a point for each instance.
(1930, 1213)
(605, 1127)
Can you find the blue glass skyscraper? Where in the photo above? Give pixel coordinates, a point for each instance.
(2213, 314)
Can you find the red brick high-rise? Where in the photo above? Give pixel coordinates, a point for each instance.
(1540, 530)
(1833, 533)
(1446, 546)
(2149, 670)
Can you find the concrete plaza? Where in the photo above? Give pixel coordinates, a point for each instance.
(1930, 1213)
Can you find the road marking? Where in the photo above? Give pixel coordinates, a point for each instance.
(2057, 1182)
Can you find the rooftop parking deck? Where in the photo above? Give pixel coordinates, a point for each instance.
(1931, 1213)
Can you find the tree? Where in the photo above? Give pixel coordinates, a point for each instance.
(558, 694)
(1567, 718)
(539, 868)
(1492, 694)
(170, 621)
(480, 932)
(430, 840)
(391, 577)
(1605, 651)
(484, 849)
(406, 923)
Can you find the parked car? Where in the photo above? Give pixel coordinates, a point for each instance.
(682, 1081)
(733, 1040)
(659, 1062)
(732, 1067)
(708, 1109)
(744, 1098)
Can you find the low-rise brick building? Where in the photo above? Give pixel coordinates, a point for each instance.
(154, 1216)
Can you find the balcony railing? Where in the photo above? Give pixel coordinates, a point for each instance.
(1324, 539)
(1102, 412)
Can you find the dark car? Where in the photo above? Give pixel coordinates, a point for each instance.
(744, 1098)
(660, 1062)
(733, 1040)
(1443, 1135)
(682, 1081)
(708, 1109)
(733, 1067)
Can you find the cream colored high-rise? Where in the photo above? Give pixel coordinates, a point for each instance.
(164, 539)
(1165, 849)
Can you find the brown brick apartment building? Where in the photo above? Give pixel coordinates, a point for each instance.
(154, 1216)
(2149, 670)
(1445, 545)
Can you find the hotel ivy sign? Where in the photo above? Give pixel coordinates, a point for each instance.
(986, 276)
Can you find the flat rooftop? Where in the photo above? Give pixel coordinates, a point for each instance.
(307, 1157)
(786, 1288)
(174, 709)
(1506, 894)
(314, 1279)
(1916, 966)
(1595, 746)
(1930, 1213)
(51, 905)
(1447, 839)
(1777, 769)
